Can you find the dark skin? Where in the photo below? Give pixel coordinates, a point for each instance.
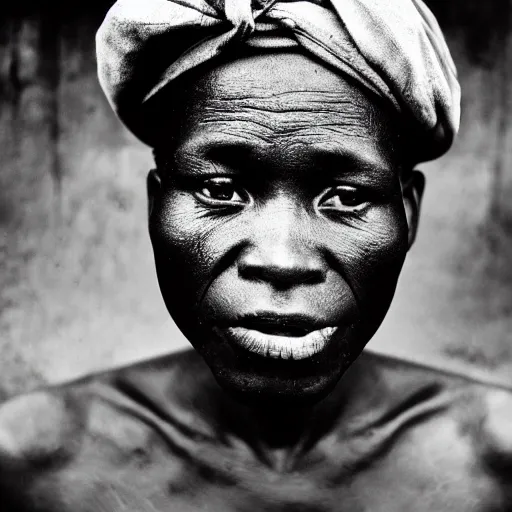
(281, 188)
(283, 196)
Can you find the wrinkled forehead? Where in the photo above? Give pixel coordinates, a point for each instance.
(280, 94)
(281, 82)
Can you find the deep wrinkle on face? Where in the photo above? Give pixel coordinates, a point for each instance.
(281, 195)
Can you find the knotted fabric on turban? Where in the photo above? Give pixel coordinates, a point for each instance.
(394, 48)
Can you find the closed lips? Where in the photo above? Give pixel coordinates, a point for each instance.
(280, 342)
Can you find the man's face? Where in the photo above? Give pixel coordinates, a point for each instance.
(278, 224)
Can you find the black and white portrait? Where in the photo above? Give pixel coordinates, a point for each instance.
(256, 256)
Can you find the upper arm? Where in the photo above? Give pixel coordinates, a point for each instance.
(496, 433)
(38, 433)
(495, 443)
(37, 427)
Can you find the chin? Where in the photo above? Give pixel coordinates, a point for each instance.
(261, 381)
(261, 392)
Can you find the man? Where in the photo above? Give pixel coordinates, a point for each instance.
(281, 209)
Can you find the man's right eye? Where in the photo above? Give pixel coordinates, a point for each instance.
(221, 191)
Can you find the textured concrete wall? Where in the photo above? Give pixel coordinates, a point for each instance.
(454, 301)
(77, 286)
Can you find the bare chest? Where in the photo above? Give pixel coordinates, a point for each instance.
(425, 466)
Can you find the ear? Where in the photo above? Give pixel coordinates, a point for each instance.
(412, 192)
(153, 186)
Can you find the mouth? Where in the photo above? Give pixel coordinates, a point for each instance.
(279, 337)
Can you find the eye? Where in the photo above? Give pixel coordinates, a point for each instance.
(343, 199)
(220, 190)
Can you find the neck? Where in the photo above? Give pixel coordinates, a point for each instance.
(280, 434)
(275, 426)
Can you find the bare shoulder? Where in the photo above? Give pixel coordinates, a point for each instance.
(52, 424)
(496, 432)
(90, 443)
(480, 412)
(38, 433)
(38, 427)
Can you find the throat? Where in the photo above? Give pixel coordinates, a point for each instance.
(284, 436)
(280, 437)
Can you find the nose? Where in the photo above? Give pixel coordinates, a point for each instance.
(281, 254)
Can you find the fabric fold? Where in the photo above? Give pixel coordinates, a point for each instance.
(394, 48)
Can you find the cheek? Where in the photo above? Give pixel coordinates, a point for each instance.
(371, 252)
(188, 245)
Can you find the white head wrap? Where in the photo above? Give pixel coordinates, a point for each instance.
(394, 48)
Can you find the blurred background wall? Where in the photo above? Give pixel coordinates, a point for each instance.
(78, 292)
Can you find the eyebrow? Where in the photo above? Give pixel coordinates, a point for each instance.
(230, 151)
(331, 160)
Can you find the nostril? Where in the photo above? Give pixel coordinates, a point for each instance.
(282, 276)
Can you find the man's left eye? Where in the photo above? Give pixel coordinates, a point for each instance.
(343, 199)
(216, 190)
